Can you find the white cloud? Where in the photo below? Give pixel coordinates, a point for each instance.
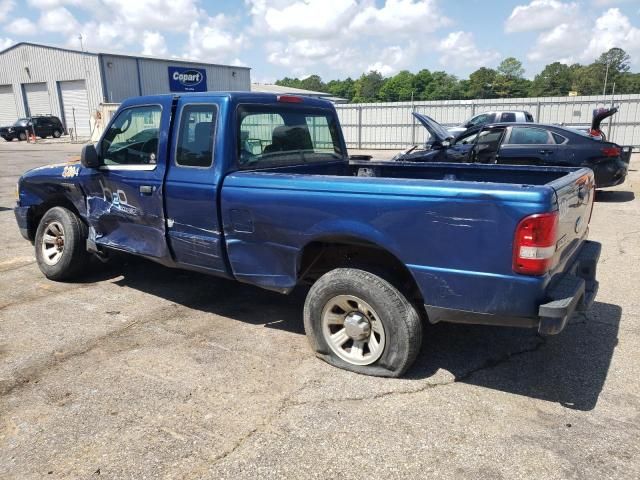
(301, 56)
(158, 14)
(153, 43)
(460, 51)
(563, 43)
(311, 18)
(404, 16)
(613, 29)
(104, 36)
(212, 41)
(344, 35)
(6, 6)
(5, 43)
(540, 15)
(393, 59)
(22, 26)
(58, 20)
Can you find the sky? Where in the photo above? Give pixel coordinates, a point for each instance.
(335, 38)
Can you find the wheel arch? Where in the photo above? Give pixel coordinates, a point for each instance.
(329, 251)
(37, 211)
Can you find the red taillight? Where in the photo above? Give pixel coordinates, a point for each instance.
(611, 151)
(534, 244)
(289, 99)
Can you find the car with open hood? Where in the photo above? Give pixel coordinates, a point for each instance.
(524, 144)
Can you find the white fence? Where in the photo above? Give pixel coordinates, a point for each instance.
(391, 125)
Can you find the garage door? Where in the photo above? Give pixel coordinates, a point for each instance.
(8, 112)
(37, 96)
(75, 106)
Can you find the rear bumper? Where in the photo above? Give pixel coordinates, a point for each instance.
(572, 291)
(610, 173)
(568, 292)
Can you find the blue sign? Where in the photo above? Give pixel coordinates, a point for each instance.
(186, 79)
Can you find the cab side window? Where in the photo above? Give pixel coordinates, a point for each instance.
(195, 139)
(529, 136)
(508, 117)
(132, 138)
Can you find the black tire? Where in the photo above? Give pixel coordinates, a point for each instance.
(57, 133)
(22, 136)
(402, 323)
(74, 258)
(8, 139)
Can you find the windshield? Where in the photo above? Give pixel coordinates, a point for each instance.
(22, 122)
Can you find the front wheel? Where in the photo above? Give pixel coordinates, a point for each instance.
(360, 322)
(60, 244)
(22, 136)
(57, 133)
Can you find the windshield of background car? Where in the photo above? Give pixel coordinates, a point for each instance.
(277, 135)
(21, 122)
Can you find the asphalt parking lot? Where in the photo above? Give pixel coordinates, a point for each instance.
(139, 371)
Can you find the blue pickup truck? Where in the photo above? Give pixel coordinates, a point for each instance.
(259, 188)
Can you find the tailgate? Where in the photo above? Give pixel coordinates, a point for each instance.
(575, 194)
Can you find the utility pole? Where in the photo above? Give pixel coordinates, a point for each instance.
(606, 77)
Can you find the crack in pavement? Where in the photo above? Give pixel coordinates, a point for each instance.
(286, 403)
(36, 369)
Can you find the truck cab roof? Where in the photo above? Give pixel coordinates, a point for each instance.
(235, 97)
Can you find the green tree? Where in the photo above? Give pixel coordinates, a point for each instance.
(611, 65)
(290, 82)
(342, 88)
(481, 83)
(314, 83)
(511, 67)
(629, 83)
(509, 81)
(442, 87)
(399, 88)
(421, 81)
(368, 87)
(555, 80)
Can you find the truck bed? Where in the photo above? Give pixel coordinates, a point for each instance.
(460, 172)
(452, 225)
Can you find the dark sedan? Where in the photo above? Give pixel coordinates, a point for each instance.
(525, 144)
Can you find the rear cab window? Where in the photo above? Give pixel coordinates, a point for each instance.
(275, 135)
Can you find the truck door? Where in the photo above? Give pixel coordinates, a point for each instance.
(528, 146)
(191, 195)
(125, 195)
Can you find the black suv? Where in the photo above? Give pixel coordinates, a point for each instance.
(42, 125)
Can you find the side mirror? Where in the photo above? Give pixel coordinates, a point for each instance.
(89, 157)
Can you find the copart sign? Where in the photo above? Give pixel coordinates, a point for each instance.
(186, 79)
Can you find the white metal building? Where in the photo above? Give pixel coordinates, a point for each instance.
(70, 84)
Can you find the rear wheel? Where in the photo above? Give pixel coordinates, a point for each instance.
(60, 244)
(57, 133)
(358, 321)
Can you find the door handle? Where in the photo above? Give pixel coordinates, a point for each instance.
(545, 152)
(146, 189)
